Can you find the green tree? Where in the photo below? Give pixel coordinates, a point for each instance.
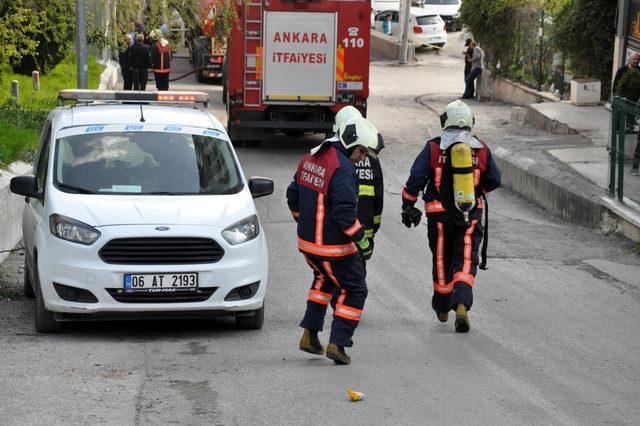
(495, 25)
(45, 37)
(584, 31)
(15, 46)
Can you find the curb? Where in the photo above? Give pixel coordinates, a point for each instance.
(566, 196)
(11, 207)
(541, 121)
(557, 191)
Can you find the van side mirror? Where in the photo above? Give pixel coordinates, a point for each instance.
(26, 186)
(260, 186)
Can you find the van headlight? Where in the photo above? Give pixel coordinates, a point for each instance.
(73, 230)
(243, 231)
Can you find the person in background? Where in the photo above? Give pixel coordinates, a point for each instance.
(140, 63)
(468, 55)
(387, 25)
(160, 59)
(634, 59)
(124, 58)
(477, 65)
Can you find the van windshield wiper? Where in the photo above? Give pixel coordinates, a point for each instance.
(77, 189)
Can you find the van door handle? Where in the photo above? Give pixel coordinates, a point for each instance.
(27, 199)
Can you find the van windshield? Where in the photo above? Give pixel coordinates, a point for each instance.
(145, 163)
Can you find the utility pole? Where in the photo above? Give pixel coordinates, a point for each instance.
(541, 34)
(81, 46)
(406, 16)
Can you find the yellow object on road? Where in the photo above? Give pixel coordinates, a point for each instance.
(355, 395)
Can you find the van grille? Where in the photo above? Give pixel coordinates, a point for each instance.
(161, 250)
(202, 294)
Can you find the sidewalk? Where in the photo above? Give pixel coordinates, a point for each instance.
(591, 162)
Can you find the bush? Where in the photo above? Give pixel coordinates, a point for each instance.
(483, 18)
(585, 30)
(42, 33)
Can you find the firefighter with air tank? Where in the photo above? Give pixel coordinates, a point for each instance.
(453, 172)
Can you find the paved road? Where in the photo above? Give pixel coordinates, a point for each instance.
(554, 335)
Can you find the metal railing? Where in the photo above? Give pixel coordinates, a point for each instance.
(625, 118)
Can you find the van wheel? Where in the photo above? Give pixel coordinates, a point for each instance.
(45, 321)
(251, 322)
(28, 285)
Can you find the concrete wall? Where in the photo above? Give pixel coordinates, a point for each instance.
(11, 207)
(517, 94)
(498, 89)
(559, 192)
(387, 48)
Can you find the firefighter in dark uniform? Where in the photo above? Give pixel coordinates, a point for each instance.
(371, 195)
(323, 199)
(454, 237)
(371, 189)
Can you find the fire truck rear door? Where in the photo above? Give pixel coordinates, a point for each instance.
(299, 57)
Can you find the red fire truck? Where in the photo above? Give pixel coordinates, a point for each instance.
(208, 47)
(291, 65)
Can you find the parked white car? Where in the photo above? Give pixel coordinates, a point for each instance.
(425, 27)
(449, 11)
(140, 211)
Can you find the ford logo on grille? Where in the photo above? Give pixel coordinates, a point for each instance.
(162, 228)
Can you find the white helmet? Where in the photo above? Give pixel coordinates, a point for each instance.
(457, 114)
(345, 114)
(361, 132)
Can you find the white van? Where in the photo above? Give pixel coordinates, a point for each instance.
(140, 210)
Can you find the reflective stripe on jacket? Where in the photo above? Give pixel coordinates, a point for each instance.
(323, 198)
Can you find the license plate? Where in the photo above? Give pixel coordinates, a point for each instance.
(161, 283)
(435, 38)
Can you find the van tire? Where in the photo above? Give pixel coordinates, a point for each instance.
(28, 285)
(251, 322)
(45, 321)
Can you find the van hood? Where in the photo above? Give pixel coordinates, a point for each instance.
(112, 210)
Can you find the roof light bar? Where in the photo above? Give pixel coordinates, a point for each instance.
(119, 96)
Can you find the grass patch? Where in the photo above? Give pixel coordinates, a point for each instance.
(63, 76)
(20, 123)
(9, 294)
(17, 143)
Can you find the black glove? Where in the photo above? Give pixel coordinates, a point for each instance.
(411, 216)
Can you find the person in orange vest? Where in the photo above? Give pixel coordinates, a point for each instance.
(160, 59)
